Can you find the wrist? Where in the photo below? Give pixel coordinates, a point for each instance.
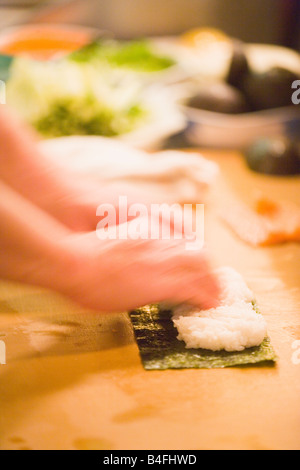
(57, 269)
(67, 267)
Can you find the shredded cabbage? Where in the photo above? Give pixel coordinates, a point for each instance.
(66, 98)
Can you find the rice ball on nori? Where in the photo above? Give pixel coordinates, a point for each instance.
(233, 326)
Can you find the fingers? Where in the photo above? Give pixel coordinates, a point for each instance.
(200, 290)
(187, 275)
(143, 271)
(206, 294)
(193, 277)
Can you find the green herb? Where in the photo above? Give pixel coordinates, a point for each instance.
(136, 55)
(160, 349)
(87, 117)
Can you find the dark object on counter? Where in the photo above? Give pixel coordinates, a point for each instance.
(239, 67)
(274, 157)
(219, 98)
(272, 89)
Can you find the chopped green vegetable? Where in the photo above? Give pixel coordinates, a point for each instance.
(65, 98)
(86, 117)
(160, 349)
(135, 55)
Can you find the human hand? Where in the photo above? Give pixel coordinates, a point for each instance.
(116, 275)
(102, 274)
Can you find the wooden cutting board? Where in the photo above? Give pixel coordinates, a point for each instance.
(74, 380)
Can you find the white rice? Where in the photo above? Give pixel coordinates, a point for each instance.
(233, 326)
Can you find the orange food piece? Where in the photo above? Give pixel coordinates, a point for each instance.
(44, 42)
(270, 222)
(199, 36)
(266, 207)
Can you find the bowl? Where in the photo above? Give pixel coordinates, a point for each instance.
(216, 130)
(211, 129)
(45, 41)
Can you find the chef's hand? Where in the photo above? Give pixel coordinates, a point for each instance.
(116, 275)
(104, 275)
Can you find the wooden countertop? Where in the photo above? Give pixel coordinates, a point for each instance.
(74, 380)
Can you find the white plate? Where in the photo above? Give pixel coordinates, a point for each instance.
(166, 119)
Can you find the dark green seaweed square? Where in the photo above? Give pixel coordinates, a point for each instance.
(160, 349)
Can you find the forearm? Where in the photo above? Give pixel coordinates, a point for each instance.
(24, 168)
(71, 199)
(30, 243)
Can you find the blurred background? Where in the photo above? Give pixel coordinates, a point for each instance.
(269, 21)
(242, 72)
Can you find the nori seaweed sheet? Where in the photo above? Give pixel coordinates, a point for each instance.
(160, 349)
